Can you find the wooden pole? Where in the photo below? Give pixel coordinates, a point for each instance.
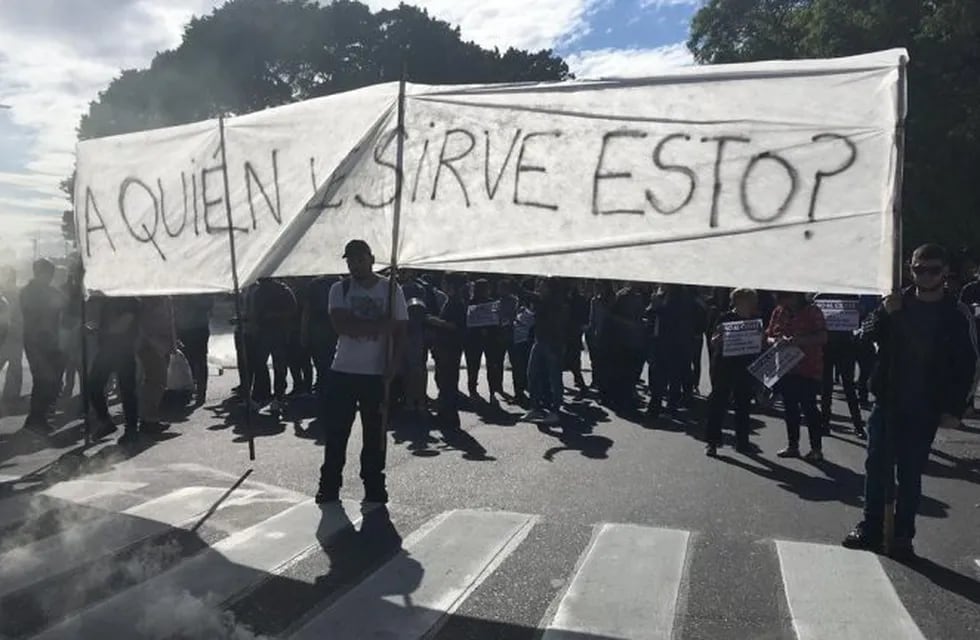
(888, 519)
(239, 327)
(393, 262)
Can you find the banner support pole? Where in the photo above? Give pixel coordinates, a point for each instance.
(393, 262)
(888, 520)
(83, 370)
(239, 327)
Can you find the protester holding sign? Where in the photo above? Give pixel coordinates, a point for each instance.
(927, 360)
(798, 323)
(544, 366)
(840, 355)
(736, 341)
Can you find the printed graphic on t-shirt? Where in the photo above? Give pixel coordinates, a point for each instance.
(365, 307)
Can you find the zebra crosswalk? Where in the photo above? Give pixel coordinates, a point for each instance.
(627, 582)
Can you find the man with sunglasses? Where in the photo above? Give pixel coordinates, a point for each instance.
(926, 362)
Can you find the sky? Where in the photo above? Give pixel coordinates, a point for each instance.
(56, 55)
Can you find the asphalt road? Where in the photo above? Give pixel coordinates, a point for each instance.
(604, 527)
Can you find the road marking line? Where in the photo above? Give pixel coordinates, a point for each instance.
(27, 507)
(79, 544)
(626, 585)
(842, 594)
(233, 565)
(439, 566)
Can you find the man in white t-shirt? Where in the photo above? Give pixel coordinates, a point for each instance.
(359, 310)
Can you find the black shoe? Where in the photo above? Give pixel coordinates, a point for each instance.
(377, 495)
(39, 426)
(789, 452)
(861, 537)
(711, 450)
(100, 428)
(860, 433)
(327, 496)
(746, 448)
(131, 436)
(153, 427)
(902, 550)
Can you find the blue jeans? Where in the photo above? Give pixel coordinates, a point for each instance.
(544, 377)
(913, 434)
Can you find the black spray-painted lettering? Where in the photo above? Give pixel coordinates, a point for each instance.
(716, 192)
(208, 179)
(492, 190)
(323, 202)
(600, 174)
(125, 215)
(675, 168)
(379, 151)
(91, 206)
(250, 176)
(418, 168)
(448, 162)
(528, 168)
(847, 164)
(163, 212)
(794, 181)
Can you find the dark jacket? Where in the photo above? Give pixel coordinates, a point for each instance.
(951, 362)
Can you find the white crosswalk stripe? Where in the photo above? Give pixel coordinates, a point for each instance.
(19, 508)
(229, 567)
(626, 586)
(440, 565)
(838, 593)
(77, 545)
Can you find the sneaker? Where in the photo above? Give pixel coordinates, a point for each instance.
(153, 426)
(816, 455)
(711, 450)
(39, 426)
(275, 407)
(550, 418)
(534, 415)
(327, 496)
(861, 537)
(789, 452)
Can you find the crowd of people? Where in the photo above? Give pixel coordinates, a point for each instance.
(343, 338)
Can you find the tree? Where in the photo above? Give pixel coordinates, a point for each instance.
(942, 193)
(253, 54)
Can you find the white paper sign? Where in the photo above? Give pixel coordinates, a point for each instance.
(775, 363)
(741, 338)
(483, 315)
(840, 315)
(762, 166)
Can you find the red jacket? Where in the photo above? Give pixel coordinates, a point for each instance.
(787, 324)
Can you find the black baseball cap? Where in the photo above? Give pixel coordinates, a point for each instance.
(356, 247)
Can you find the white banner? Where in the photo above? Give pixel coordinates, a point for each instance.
(775, 175)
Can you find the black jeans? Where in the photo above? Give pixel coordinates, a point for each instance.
(300, 364)
(323, 346)
(195, 343)
(273, 343)
(447, 357)
(488, 342)
(46, 363)
(520, 352)
(912, 443)
(840, 357)
(800, 397)
(117, 357)
(346, 395)
(728, 384)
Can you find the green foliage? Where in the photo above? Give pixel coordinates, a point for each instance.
(942, 192)
(252, 54)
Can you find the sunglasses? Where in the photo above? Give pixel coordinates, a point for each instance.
(926, 270)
